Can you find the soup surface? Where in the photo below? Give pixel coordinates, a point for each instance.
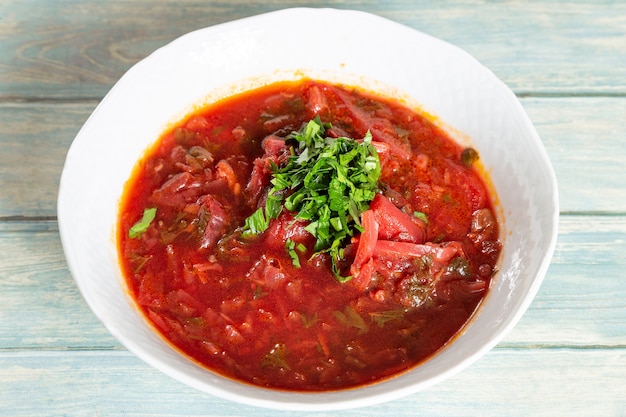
(307, 236)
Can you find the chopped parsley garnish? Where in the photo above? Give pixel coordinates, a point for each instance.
(277, 357)
(350, 318)
(290, 246)
(142, 225)
(309, 321)
(420, 215)
(327, 182)
(382, 317)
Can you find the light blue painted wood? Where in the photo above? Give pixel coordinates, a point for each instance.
(34, 139)
(80, 48)
(566, 60)
(586, 142)
(582, 301)
(41, 306)
(537, 382)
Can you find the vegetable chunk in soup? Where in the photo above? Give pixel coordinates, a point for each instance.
(307, 236)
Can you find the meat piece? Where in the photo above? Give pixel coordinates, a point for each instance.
(380, 128)
(277, 152)
(316, 103)
(287, 227)
(180, 189)
(394, 224)
(484, 226)
(215, 219)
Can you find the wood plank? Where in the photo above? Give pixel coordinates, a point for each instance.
(581, 302)
(565, 59)
(558, 47)
(585, 139)
(559, 383)
(34, 139)
(79, 48)
(586, 142)
(41, 305)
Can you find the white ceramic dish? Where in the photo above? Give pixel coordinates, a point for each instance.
(360, 49)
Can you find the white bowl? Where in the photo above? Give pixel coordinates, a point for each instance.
(360, 49)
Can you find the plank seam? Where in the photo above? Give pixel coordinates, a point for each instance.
(119, 350)
(17, 100)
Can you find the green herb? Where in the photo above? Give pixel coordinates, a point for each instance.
(349, 317)
(382, 317)
(422, 216)
(460, 266)
(469, 156)
(139, 261)
(424, 262)
(290, 246)
(256, 223)
(328, 182)
(195, 321)
(276, 357)
(142, 225)
(309, 321)
(259, 293)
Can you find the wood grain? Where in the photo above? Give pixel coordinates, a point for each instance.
(34, 139)
(582, 301)
(566, 61)
(41, 305)
(78, 49)
(586, 142)
(560, 382)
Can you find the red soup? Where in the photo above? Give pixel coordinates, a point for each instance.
(307, 236)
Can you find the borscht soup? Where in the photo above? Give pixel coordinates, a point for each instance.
(308, 236)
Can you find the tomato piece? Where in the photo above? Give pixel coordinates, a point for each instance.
(364, 275)
(286, 227)
(394, 224)
(441, 254)
(316, 101)
(216, 224)
(367, 242)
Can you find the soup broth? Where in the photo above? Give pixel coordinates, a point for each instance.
(410, 255)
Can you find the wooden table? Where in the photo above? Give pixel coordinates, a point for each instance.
(566, 61)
